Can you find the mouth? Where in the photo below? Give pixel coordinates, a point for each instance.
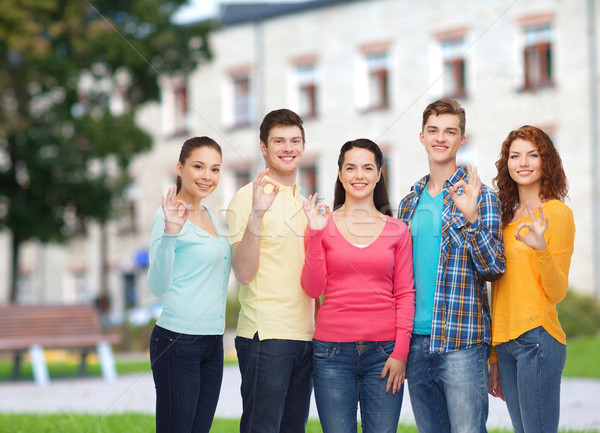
(359, 185)
(287, 158)
(524, 172)
(203, 186)
(439, 148)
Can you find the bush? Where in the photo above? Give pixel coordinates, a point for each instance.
(579, 314)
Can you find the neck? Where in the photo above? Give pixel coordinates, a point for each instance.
(286, 179)
(529, 194)
(438, 174)
(187, 198)
(364, 207)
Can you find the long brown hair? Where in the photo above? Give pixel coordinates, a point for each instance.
(380, 196)
(554, 181)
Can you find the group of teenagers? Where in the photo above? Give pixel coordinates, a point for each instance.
(352, 300)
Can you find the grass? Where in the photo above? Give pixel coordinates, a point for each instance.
(582, 358)
(131, 423)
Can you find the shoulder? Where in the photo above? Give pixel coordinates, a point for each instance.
(395, 227)
(557, 210)
(242, 197)
(488, 195)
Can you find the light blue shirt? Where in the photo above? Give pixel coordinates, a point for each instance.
(192, 269)
(426, 231)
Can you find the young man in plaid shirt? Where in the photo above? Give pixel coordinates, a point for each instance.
(454, 217)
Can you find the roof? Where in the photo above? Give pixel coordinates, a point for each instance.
(239, 13)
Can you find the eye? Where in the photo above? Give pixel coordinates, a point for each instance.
(198, 166)
(513, 156)
(535, 155)
(452, 132)
(216, 170)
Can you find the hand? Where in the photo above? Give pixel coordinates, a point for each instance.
(171, 206)
(262, 201)
(397, 374)
(494, 386)
(317, 219)
(467, 201)
(534, 238)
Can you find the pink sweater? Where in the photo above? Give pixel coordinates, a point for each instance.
(368, 292)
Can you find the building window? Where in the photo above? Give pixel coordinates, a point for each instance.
(378, 87)
(537, 57)
(129, 209)
(243, 177)
(242, 101)
(454, 67)
(308, 178)
(307, 88)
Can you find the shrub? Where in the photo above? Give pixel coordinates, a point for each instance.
(579, 314)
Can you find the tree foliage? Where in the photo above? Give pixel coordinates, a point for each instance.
(64, 148)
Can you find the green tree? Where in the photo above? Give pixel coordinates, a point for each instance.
(63, 151)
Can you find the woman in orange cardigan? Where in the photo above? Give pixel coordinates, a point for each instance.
(529, 345)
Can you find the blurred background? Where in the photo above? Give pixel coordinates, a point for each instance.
(97, 97)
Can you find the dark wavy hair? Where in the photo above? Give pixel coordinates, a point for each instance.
(380, 196)
(195, 143)
(554, 180)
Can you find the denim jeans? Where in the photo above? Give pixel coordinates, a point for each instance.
(348, 373)
(276, 384)
(448, 391)
(530, 368)
(187, 371)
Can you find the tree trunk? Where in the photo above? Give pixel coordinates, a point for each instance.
(14, 269)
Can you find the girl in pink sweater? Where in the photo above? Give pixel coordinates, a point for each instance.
(360, 259)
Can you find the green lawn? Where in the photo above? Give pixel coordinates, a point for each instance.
(582, 358)
(130, 423)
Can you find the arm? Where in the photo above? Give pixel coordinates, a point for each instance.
(494, 386)
(314, 271)
(404, 296)
(484, 229)
(166, 228)
(245, 252)
(554, 256)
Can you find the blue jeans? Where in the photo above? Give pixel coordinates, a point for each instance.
(348, 373)
(448, 391)
(187, 371)
(276, 384)
(530, 370)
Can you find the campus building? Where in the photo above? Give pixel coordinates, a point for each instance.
(353, 68)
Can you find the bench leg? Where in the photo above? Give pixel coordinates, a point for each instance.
(17, 365)
(107, 362)
(83, 363)
(38, 363)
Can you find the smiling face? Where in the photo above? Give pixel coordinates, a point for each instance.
(525, 164)
(441, 137)
(199, 173)
(359, 174)
(283, 151)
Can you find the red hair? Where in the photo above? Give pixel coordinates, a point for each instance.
(554, 180)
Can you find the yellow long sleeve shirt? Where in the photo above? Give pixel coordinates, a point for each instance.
(525, 297)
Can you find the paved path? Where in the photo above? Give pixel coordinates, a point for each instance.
(579, 400)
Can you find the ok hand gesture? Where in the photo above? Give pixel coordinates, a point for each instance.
(261, 200)
(467, 201)
(317, 219)
(534, 238)
(171, 206)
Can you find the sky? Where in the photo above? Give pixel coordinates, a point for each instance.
(202, 9)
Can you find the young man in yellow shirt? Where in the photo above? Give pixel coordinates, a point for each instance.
(276, 321)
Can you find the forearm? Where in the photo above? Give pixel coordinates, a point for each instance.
(314, 272)
(245, 257)
(555, 280)
(160, 269)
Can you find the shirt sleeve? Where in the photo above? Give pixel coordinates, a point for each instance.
(555, 259)
(314, 271)
(238, 213)
(486, 246)
(404, 295)
(161, 256)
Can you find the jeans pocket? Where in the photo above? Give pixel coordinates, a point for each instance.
(531, 338)
(322, 351)
(387, 347)
(561, 353)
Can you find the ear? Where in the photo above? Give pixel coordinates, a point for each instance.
(422, 138)
(179, 169)
(462, 140)
(263, 148)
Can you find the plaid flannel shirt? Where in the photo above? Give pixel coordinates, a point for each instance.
(470, 254)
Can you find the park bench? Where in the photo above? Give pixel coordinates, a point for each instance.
(34, 328)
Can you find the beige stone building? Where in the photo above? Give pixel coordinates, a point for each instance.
(355, 68)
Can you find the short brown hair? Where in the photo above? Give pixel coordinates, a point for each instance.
(281, 117)
(446, 106)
